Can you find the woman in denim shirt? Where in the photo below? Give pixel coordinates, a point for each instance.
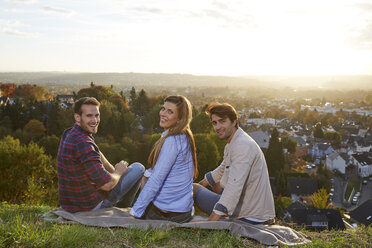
(167, 194)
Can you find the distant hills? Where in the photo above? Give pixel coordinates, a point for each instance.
(361, 82)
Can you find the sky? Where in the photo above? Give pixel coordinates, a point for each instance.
(200, 37)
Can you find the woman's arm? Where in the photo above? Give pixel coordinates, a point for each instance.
(164, 163)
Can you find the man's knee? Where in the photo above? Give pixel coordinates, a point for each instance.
(138, 167)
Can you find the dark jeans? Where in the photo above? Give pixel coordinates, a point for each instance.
(152, 215)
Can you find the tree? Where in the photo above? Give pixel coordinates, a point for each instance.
(281, 183)
(201, 123)
(323, 177)
(318, 132)
(53, 122)
(207, 154)
(333, 135)
(274, 154)
(38, 177)
(132, 98)
(35, 128)
(7, 89)
(289, 144)
(320, 199)
(31, 92)
(50, 144)
(99, 92)
(282, 203)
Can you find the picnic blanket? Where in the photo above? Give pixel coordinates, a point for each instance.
(119, 217)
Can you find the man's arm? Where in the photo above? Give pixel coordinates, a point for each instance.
(120, 169)
(106, 163)
(217, 189)
(214, 217)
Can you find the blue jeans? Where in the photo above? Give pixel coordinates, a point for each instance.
(206, 199)
(122, 195)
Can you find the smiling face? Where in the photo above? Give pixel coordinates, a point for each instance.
(89, 118)
(224, 127)
(168, 115)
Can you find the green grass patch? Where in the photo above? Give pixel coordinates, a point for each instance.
(20, 227)
(353, 183)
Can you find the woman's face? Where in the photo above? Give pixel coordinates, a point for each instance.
(168, 115)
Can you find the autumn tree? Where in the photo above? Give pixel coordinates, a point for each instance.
(320, 199)
(30, 92)
(7, 89)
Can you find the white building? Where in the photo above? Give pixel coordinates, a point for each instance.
(335, 162)
(364, 164)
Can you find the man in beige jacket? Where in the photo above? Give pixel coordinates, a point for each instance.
(241, 182)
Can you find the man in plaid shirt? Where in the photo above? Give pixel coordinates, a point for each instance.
(86, 180)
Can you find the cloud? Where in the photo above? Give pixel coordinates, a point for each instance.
(12, 28)
(54, 10)
(14, 32)
(226, 18)
(148, 10)
(364, 6)
(220, 5)
(23, 1)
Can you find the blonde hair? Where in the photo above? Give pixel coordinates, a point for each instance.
(184, 109)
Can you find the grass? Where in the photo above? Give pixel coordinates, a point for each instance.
(20, 227)
(353, 183)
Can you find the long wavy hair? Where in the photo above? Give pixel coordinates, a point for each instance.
(184, 109)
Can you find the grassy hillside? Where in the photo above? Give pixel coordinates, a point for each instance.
(20, 227)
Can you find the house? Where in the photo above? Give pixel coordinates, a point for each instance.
(286, 214)
(262, 139)
(299, 187)
(261, 121)
(335, 162)
(4, 100)
(363, 213)
(301, 149)
(320, 150)
(364, 163)
(318, 219)
(66, 98)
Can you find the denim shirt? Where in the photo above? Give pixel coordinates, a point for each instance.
(169, 186)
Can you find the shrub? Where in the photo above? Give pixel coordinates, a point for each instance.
(282, 203)
(26, 173)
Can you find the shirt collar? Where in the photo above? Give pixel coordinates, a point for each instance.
(80, 130)
(164, 133)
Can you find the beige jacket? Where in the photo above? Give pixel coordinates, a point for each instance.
(243, 175)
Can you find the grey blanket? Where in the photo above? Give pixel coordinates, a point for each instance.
(117, 217)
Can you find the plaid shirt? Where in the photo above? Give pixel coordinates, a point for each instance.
(80, 171)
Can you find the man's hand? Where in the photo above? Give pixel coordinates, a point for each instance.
(214, 217)
(121, 168)
(204, 183)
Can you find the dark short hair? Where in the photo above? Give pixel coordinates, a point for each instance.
(222, 110)
(85, 100)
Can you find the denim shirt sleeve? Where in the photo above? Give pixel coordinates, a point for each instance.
(166, 159)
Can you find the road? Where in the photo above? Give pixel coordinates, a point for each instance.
(366, 192)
